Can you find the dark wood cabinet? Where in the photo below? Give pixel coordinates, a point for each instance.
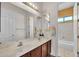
(36, 52)
(27, 55)
(42, 51)
(49, 48)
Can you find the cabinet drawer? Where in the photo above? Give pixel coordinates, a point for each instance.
(36, 52)
(49, 47)
(27, 55)
(44, 50)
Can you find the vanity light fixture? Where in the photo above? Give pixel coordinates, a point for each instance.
(36, 7)
(46, 16)
(32, 5)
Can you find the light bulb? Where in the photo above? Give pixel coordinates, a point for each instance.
(30, 4)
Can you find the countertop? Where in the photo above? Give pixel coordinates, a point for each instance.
(12, 50)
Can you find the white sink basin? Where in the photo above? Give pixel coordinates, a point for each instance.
(5, 45)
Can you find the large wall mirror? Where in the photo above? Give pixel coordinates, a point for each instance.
(0, 16)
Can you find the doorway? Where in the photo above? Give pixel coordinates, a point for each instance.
(67, 30)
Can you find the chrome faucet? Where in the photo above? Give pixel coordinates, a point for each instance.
(40, 36)
(0, 42)
(20, 44)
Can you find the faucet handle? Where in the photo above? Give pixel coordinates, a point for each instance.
(13, 34)
(0, 42)
(20, 44)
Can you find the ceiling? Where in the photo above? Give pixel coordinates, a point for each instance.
(64, 5)
(61, 5)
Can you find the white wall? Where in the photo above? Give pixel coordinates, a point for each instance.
(52, 9)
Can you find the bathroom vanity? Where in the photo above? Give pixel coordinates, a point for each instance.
(17, 36)
(41, 51)
(28, 48)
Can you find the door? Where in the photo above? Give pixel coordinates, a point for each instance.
(44, 50)
(36, 52)
(49, 48)
(67, 35)
(78, 31)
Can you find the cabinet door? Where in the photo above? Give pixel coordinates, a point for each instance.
(44, 50)
(26, 55)
(36, 52)
(49, 47)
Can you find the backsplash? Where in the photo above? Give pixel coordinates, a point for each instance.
(41, 26)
